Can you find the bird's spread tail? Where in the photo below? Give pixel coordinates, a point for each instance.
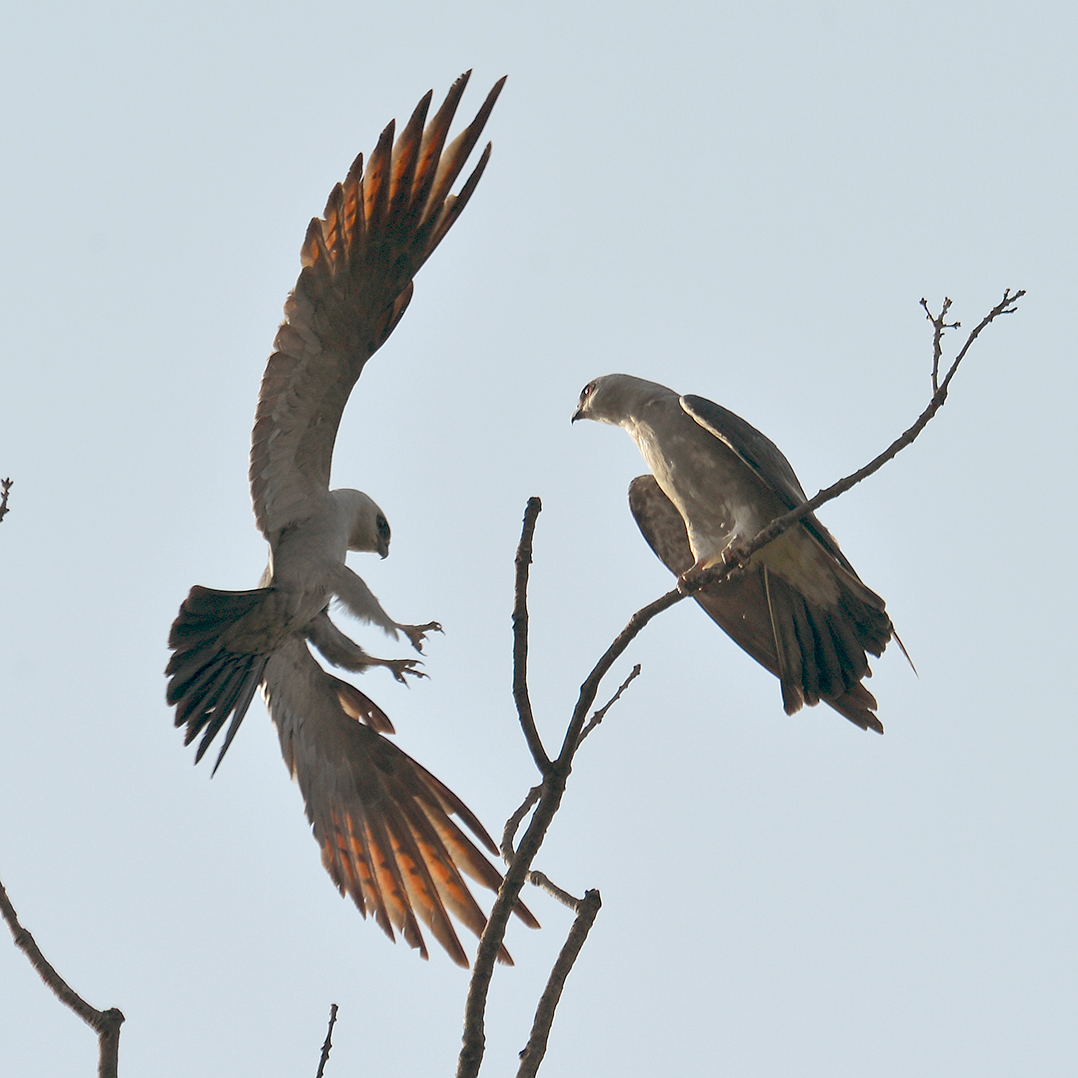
(207, 681)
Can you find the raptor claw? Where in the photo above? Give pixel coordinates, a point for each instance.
(399, 667)
(417, 633)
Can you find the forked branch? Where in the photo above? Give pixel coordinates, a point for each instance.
(546, 798)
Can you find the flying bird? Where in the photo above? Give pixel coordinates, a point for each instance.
(382, 821)
(798, 608)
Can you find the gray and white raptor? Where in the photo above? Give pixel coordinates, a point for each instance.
(382, 821)
(798, 609)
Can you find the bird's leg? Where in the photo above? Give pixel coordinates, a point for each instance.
(360, 602)
(397, 667)
(345, 653)
(418, 633)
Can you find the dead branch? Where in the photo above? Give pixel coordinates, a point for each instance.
(535, 1050)
(514, 821)
(106, 1024)
(328, 1043)
(520, 638)
(938, 326)
(741, 554)
(5, 489)
(547, 796)
(601, 713)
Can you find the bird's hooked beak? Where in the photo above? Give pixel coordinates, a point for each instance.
(383, 548)
(581, 404)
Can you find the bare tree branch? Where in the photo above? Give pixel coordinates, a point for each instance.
(535, 1049)
(514, 821)
(106, 1024)
(939, 396)
(520, 638)
(5, 489)
(938, 326)
(601, 713)
(556, 773)
(328, 1043)
(537, 879)
(545, 883)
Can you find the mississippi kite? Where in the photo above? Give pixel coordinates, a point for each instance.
(382, 821)
(798, 609)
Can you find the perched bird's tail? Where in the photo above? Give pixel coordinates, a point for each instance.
(820, 652)
(208, 682)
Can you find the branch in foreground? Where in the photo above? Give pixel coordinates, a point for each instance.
(535, 1049)
(520, 637)
(328, 1043)
(554, 781)
(106, 1024)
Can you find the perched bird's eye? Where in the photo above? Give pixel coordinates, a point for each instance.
(383, 526)
(587, 390)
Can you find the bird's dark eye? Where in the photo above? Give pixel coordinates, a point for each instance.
(587, 391)
(383, 526)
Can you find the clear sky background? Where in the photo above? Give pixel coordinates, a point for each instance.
(744, 201)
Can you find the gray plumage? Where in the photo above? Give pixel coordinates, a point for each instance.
(382, 821)
(799, 608)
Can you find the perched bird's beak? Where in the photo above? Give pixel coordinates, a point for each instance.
(383, 549)
(578, 414)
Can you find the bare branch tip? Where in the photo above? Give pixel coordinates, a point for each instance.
(328, 1043)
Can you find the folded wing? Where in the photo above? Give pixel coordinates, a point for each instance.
(816, 654)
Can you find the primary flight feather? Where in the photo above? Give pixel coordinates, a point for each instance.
(383, 822)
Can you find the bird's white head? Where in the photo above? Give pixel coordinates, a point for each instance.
(368, 529)
(615, 398)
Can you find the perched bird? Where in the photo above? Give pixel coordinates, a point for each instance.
(798, 608)
(382, 821)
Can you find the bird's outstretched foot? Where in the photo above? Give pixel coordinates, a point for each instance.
(418, 633)
(399, 667)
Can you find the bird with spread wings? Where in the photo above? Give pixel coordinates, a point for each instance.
(798, 609)
(383, 822)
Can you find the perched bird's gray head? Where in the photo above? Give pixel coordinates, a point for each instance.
(616, 398)
(368, 529)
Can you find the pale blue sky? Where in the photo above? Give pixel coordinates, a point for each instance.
(740, 201)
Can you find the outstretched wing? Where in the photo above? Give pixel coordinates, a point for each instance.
(384, 823)
(379, 227)
(742, 607)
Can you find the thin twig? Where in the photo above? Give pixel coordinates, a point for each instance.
(780, 524)
(520, 638)
(535, 1049)
(514, 821)
(938, 326)
(5, 489)
(106, 1024)
(545, 883)
(537, 879)
(328, 1043)
(601, 713)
